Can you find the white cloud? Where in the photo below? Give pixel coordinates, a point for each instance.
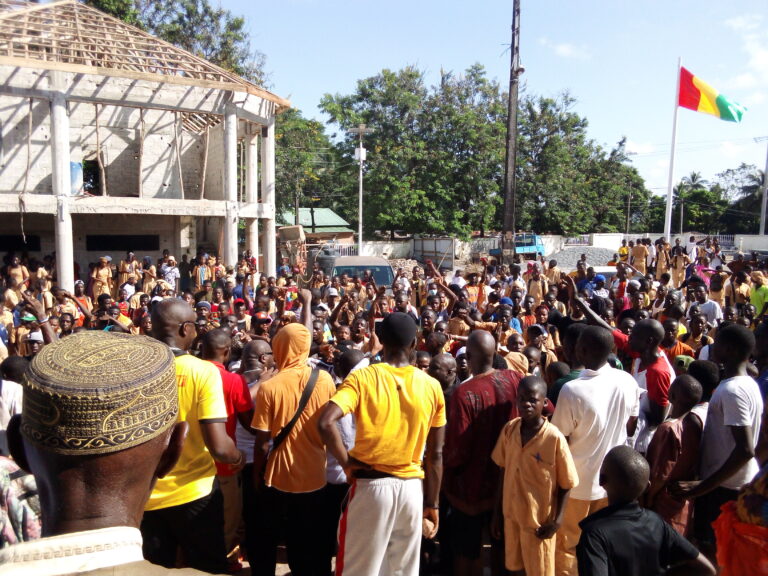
(746, 80)
(730, 150)
(744, 23)
(755, 99)
(566, 50)
(639, 148)
(755, 44)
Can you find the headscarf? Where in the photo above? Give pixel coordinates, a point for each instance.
(290, 347)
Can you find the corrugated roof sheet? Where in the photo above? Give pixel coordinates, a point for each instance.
(324, 217)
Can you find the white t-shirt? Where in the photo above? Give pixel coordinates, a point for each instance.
(710, 309)
(592, 411)
(10, 404)
(651, 255)
(735, 402)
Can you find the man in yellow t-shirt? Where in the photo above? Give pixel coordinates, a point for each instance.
(398, 410)
(624, 251)
(186, 507)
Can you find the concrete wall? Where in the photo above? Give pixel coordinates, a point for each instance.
(119, 134)
(16, 150)
(402, 249)
(747, 242)
(608, 241)
(214, 175)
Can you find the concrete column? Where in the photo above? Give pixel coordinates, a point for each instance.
(62, 188)
(252, 191)
(230, 187)
(268, 196)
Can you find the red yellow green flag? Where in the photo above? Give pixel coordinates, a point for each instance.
(697, 95)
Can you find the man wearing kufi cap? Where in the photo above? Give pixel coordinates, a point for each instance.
(98, 427)
(398, 411)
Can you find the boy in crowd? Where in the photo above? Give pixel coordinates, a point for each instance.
(538, 475)
(625, 539)
(730, 434)
(673, 453)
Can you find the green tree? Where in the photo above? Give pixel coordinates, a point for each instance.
(744, 187)
(464, 126)
(305, 162)
(124, 10)
(566, 183)
(391, 103)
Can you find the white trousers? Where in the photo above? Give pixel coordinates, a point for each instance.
(380, 531)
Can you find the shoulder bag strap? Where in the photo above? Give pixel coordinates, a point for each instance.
(283, 434)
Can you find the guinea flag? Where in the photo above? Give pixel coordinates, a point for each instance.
(697, 95)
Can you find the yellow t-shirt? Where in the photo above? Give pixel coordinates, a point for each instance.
(394, 409)
(624, 253)
(201, 397)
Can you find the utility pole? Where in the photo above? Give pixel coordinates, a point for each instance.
(629, 204)
(296, 203)
(361, 131)
(508, 227)
(682, 210)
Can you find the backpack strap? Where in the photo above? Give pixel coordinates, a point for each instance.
(283, 434)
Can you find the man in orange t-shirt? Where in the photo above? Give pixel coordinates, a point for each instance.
(294, 472)
(671, 345)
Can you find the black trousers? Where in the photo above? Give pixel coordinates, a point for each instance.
(197, 527)
(298, 520)
(706, 509)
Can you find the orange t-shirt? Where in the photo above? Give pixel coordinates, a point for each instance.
(678, 349)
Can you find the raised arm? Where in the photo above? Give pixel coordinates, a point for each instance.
(305, 297)
(576, 301)
(38, 311)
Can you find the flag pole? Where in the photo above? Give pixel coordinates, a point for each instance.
(668, 214)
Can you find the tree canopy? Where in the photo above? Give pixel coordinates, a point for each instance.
(437, 156)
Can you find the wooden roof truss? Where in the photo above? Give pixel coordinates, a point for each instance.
(71, 35)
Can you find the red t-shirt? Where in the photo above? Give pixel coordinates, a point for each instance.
(658, 376)
(477, 411)
(237, 398)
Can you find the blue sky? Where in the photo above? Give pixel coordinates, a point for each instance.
(618, 58)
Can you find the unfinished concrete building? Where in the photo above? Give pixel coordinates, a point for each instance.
(112, 139)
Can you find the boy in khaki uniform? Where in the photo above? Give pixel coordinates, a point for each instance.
(538, 475)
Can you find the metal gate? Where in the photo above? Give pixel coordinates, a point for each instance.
(440, 250)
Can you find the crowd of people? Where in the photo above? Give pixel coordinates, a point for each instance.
(518, 418)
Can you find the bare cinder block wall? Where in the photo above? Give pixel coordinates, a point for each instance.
(20, 148)
(120, 140)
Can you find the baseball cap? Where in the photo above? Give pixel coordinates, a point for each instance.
(262, 317)
(36, 336)
(333, 292)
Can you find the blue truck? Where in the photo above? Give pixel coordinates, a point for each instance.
(529, 245)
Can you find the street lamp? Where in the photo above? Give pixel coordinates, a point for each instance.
(361, 131)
